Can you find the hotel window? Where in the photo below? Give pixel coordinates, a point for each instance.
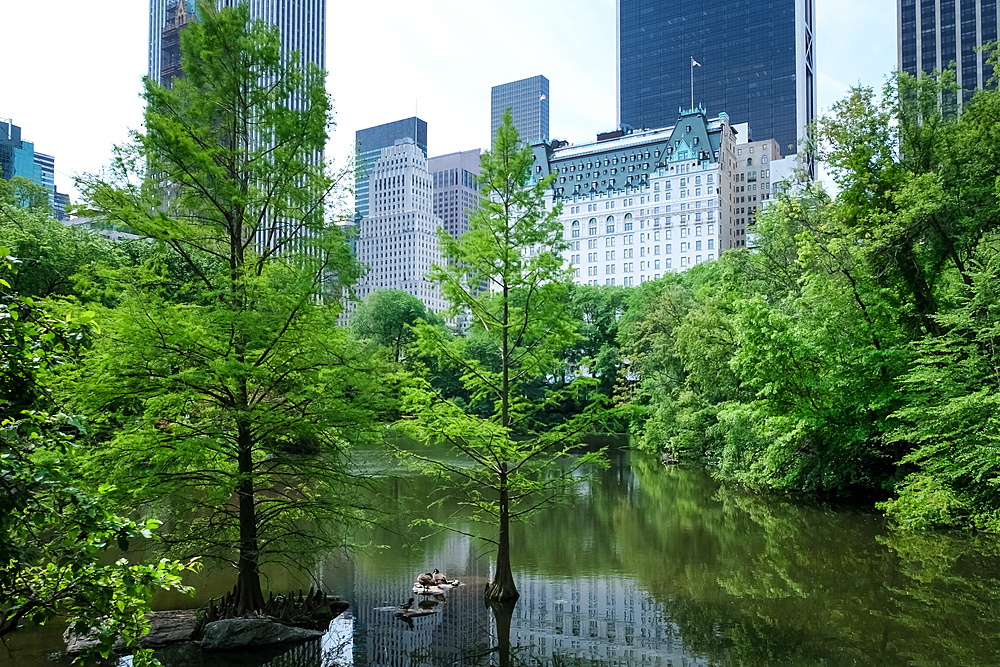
(576, 229)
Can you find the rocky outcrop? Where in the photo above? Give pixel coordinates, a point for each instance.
(165, 627)
(235, 633)
(170, 627)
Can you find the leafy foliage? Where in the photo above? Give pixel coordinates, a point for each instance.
(851, 352)
(53, 534)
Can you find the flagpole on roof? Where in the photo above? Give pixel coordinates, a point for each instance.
(694, 63)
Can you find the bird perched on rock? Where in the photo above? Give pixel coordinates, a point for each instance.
(439, 578)
(426, 579)
(406, 607)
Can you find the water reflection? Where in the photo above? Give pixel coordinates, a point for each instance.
(662, 566)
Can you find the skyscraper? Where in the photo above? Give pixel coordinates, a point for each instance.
(932, 34)
(302, 24)
(456, 192)
(752, 60)
(18, 157)
(528, 100)
(370, 142)
(397, 239)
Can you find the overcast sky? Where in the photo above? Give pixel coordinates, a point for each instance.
(74, 68)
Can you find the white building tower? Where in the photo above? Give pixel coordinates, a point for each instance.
(398, 238)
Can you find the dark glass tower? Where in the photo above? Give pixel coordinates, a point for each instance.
(932, 34)
(528, 101)
(369, 144)
(756, 64)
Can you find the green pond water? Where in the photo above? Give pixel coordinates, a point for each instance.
(649, 565)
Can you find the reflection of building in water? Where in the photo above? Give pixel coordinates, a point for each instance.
(596, 619)
(461, 621)
(338, 642)
(303, 655)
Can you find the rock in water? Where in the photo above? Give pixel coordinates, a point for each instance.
(233, 633)
(170, 627)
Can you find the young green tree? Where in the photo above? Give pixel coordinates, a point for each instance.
(508, 275)
(231, 402)
(387, 316)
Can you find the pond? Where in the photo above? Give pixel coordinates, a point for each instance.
(659, 566)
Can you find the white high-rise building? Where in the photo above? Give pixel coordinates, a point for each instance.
(639, 205)
(398, 239)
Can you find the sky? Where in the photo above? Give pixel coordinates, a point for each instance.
(74, 68)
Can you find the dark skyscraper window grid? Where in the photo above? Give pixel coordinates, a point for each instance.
(750, 72)
(528, 100)
(935, 33)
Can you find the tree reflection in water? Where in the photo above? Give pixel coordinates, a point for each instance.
(654, 565)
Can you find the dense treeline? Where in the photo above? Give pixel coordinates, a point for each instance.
(853, 353)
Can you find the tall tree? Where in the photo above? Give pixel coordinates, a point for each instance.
(507, 273)
(233, 407)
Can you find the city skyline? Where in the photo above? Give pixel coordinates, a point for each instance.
(423, 65)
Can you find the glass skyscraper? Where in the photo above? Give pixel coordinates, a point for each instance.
(528, 100)
(754, 59)
(932, 34)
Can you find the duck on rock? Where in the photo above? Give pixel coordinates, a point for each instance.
(438, 578)
(426, 579)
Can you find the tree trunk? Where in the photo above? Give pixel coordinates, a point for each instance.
(502, 587)
(503, 612)
(248, 594)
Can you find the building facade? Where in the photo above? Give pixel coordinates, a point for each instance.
(641, 204)
(19, 158)
(301, 23)
(933, 34)
(456, 191)
(528, 100)
(755, 60)
(369, 143)
(398, 239)
(754, 183)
